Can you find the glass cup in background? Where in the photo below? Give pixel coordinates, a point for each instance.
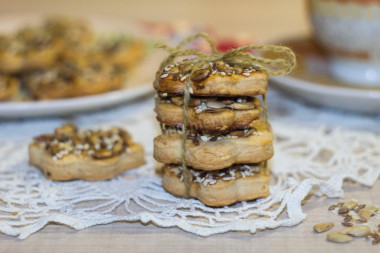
(349, 32)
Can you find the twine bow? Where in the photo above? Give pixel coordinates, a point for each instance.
(279, 66)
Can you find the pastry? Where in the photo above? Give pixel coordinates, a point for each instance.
(73, 79)
(216, 138)
(9, 87)
(216, 151)
(91, 155)
(121, 51)
(29, 49)
(69, 32)
(219, 188)
(216, 78)
(208, 113)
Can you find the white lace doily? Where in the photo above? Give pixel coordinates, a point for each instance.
(306, 159)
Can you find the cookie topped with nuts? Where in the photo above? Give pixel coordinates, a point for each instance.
(73, 78)
(214, 78)
(68, 31)
(87, 154)
(29, 49)
(210, 113)
(219, 188)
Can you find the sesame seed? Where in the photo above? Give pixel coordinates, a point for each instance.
(191, 90)
(204, 138)
(223, 73)
(183, 78)
(246, 74)
(164, 75)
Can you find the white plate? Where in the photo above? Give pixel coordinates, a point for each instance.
(138, 85)
(311, 82)
(72, 105)
(348, 99)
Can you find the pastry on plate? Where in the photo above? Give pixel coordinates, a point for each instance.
(213, 150)
(9, 87)
(121, 51)
(70, 153)
(216, 78)
(219, 188)
(69, 32)
(29, 49)
(74, 78)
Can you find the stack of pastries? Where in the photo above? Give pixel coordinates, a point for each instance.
(63, 58)
(228, 139)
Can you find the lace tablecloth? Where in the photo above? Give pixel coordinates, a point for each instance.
(315, 150)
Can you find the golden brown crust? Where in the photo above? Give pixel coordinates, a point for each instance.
(221, 119)
(72, 167)
(10, 90)
(37, 59)
(79, 79)
(217, 85)
(216, 155)
(223, 192)
(79, 88)
(129, 54)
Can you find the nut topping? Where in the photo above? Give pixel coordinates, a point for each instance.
(215, 104)
(200, 75)
(99, 144)
(242, 106)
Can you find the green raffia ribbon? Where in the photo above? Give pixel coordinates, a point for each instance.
(279, 66)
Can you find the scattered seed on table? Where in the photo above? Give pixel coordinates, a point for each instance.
(345, 230)
(361, 220)
(360, 207)
(359, 231)
(343, 210)
(336, 237)
(365, 214)
(347, 218)
(347, 224)
(350, 204)
(323, 227)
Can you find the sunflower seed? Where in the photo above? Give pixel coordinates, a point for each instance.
(350, 204)
(361, 220)
(347, 218)
(344, 230)
(215, 104)
(365, 214)
(336, 237)
(358, 231)
(323, 227)
(360, 207)
(343, 210)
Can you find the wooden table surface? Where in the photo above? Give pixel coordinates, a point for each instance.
(261, 19)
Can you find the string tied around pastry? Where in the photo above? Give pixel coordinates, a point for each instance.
(282, 65)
